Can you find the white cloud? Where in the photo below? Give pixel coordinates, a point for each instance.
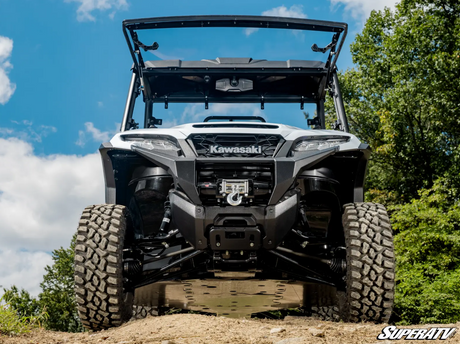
(7, 88)
(28, 131)
(41, 197)
(6, 131)
(23, 269)
(84, 11)
(250, 30)
(237, 109)
(95, 134)
(360, 9)
(162, 56)
(295, 11)
(41, 200)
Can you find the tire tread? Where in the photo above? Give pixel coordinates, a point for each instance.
(370, 262)
(100, 297)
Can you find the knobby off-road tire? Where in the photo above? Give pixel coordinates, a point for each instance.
(142, 312)
(101, 300)
(370, 263)
(327, 313)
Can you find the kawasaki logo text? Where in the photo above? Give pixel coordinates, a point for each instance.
(394, 333)
(235, 150)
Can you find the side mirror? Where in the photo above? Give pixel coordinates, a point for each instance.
(156, 121)
(314, 123)
(153, 122)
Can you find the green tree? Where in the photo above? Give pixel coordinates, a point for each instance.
(428, 256)
(22, 302)
(402, 96)
(58, 294)
(57, 298)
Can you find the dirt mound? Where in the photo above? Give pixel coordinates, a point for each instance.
(191, 328)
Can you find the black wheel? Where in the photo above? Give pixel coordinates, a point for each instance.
(101, 299)
(327, 313)
(370, 263)
(141, 312)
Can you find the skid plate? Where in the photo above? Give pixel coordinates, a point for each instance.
(234, 298)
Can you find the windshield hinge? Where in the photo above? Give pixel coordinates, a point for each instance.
(137, 42)
(331, 45)
(317, 49)
(337, 125)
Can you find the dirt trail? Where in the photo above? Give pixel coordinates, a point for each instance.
(197, 329)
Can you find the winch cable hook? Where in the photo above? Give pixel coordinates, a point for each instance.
(234, 198)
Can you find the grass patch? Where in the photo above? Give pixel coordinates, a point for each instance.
(12, 324)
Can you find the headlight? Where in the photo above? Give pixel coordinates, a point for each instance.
(309, 145)
(154, 144)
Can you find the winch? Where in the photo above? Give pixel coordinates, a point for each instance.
(233, 190)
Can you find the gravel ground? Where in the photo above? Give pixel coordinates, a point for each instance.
(197, 329)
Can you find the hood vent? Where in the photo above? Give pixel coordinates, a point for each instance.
(236, 125)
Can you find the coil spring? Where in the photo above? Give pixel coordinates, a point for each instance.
(132, 267)
(338, 266)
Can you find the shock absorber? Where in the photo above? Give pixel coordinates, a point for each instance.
(166, 218)
(303, 216)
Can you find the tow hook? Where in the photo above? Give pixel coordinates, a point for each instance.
(234, 198)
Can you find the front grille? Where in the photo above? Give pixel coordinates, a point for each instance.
(267, 143)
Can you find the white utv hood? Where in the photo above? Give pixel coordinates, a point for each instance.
(289, 133)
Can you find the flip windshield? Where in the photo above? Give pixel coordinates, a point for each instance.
(191, 67)
(195, 44)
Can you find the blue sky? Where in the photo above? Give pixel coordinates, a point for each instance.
(64, 74)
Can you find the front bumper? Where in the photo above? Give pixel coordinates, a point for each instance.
(206, 226)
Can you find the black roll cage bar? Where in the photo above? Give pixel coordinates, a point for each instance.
(132, 25)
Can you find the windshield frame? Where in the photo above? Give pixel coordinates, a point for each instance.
(130, 26)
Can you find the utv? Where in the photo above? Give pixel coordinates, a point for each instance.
(234, 216)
